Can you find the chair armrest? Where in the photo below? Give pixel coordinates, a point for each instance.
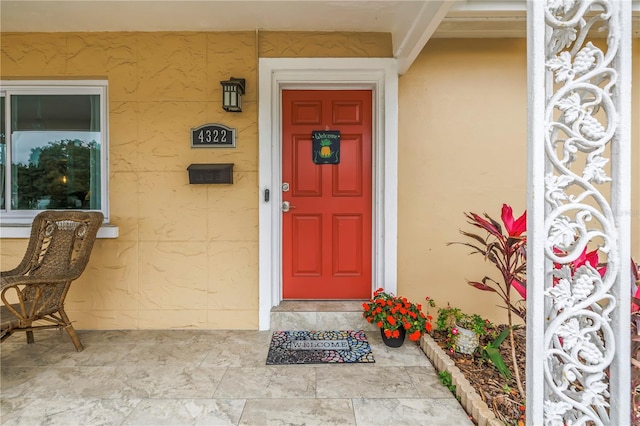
(18, 270)
(14, 280)
(35, 296)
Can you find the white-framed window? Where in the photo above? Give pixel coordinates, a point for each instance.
(53, 148)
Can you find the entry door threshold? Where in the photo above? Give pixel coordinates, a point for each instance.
(319, 315)
(319, 306)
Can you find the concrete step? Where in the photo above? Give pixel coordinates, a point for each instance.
(319, 315)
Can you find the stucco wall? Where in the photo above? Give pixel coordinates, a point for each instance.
(463, 118)
(187, 255)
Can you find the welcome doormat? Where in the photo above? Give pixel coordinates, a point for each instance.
(319, 347)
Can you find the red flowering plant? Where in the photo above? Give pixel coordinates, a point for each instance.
(635, 342)
(505, 248)
(390, 312)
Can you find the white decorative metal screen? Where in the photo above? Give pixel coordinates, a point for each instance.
(579, 204)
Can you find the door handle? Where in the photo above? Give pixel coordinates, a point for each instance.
(286, 206)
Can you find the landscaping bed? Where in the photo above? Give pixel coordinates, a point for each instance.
(500, 394)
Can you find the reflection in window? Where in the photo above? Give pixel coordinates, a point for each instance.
(55, 152)
(3, 152)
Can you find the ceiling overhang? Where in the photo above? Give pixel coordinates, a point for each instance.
(411, 23)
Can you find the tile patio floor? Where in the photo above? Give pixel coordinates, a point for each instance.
(190, 377)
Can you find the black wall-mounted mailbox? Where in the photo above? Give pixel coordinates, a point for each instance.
(211, 173)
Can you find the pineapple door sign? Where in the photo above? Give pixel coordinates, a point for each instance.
(326, 146)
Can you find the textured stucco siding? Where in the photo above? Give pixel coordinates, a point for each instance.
(187, 255)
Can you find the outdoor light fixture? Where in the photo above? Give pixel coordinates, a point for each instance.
(232, 91)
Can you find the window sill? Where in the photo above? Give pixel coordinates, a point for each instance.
(24, 231)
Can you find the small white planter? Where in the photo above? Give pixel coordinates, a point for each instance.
(467, 341)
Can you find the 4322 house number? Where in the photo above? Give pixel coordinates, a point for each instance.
(214, 136)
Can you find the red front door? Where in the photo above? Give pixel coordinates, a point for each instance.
(327, 230)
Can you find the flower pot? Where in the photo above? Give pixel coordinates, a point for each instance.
(467, 341)
(394, 342)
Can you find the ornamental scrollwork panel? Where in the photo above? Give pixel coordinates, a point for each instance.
(581, 124)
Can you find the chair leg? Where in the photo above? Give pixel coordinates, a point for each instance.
(70, 330)
(30, 338)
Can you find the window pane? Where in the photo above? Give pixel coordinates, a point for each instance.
(55, 152)
(3, 152)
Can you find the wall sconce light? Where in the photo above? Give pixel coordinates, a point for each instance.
(232, 91)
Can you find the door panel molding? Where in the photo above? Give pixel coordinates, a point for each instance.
(343, 190)
(377, 74)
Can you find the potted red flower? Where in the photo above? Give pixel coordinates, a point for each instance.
(396, 317)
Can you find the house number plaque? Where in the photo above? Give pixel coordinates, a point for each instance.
(213, 135)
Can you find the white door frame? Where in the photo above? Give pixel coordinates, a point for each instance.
(377, 74)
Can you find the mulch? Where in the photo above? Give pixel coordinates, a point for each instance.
(500, 394)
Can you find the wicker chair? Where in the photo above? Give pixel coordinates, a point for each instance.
(34, 291)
